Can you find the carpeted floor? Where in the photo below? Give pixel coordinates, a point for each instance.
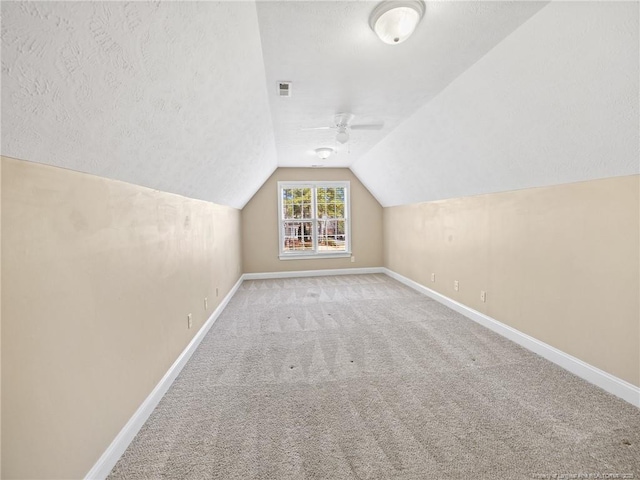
(360, 377)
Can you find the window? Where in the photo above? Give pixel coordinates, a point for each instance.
(314, 219)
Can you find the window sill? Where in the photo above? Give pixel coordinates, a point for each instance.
(314, 256)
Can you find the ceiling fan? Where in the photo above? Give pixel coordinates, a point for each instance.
(342, 123)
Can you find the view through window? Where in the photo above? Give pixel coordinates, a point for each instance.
(314, 218)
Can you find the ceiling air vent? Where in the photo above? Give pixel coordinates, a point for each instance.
(284, 89)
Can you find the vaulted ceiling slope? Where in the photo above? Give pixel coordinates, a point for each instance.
(338, 64)
(181, 96)
(169, 95)
(555, 102)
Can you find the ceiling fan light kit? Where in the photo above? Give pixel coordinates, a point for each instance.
(324, 152)
(395, 20)
(342, 136)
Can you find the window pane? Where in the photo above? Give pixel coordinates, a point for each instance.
(330, 200)
(287, 211)
(322, 209)
(331, 235)
(297, 236)
(332, 205)
(306, 210)
(331, 210)
(296, 196)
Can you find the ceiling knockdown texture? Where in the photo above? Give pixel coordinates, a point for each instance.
(169, 95)
(181, 96)
(555, 102)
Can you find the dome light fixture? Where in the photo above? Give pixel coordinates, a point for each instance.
(395, 20)
(324, 152)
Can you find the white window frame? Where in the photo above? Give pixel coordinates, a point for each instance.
(315, 253)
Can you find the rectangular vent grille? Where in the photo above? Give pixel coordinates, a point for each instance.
(284, 89)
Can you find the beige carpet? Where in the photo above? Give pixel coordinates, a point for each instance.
(359, 377)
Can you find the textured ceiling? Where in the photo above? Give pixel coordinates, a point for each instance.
(555, 102)
(181, 96)
(168, 95)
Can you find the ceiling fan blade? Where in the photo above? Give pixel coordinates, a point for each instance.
(318, 128)
(373, 126)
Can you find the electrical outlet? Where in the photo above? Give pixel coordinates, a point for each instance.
(433, 277)
(456, 285)
(483, 295)
(189, 321)
(353, 259)
(206, 304)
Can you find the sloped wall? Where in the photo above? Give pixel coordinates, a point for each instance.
(558, 263)
(555, 102)
(98, 277)
(260, 225)
(0, 317)
(159, 94)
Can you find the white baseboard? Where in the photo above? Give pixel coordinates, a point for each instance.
(598, 377)
(112, 454)
(591, 374)
(312, 273)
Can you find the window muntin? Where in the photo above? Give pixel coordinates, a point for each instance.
(314, 218)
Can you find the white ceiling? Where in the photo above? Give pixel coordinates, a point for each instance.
(555, 102)
(338, 64)
(181, 96)
(168, 95)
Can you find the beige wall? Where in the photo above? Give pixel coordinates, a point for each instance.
(260, 225)
(98, 277)
(0, 318)
(558, 263)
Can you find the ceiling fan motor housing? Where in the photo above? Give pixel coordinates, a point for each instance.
(343, 120)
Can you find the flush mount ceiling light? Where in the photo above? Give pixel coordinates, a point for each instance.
(395, 20)
(324, 152)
